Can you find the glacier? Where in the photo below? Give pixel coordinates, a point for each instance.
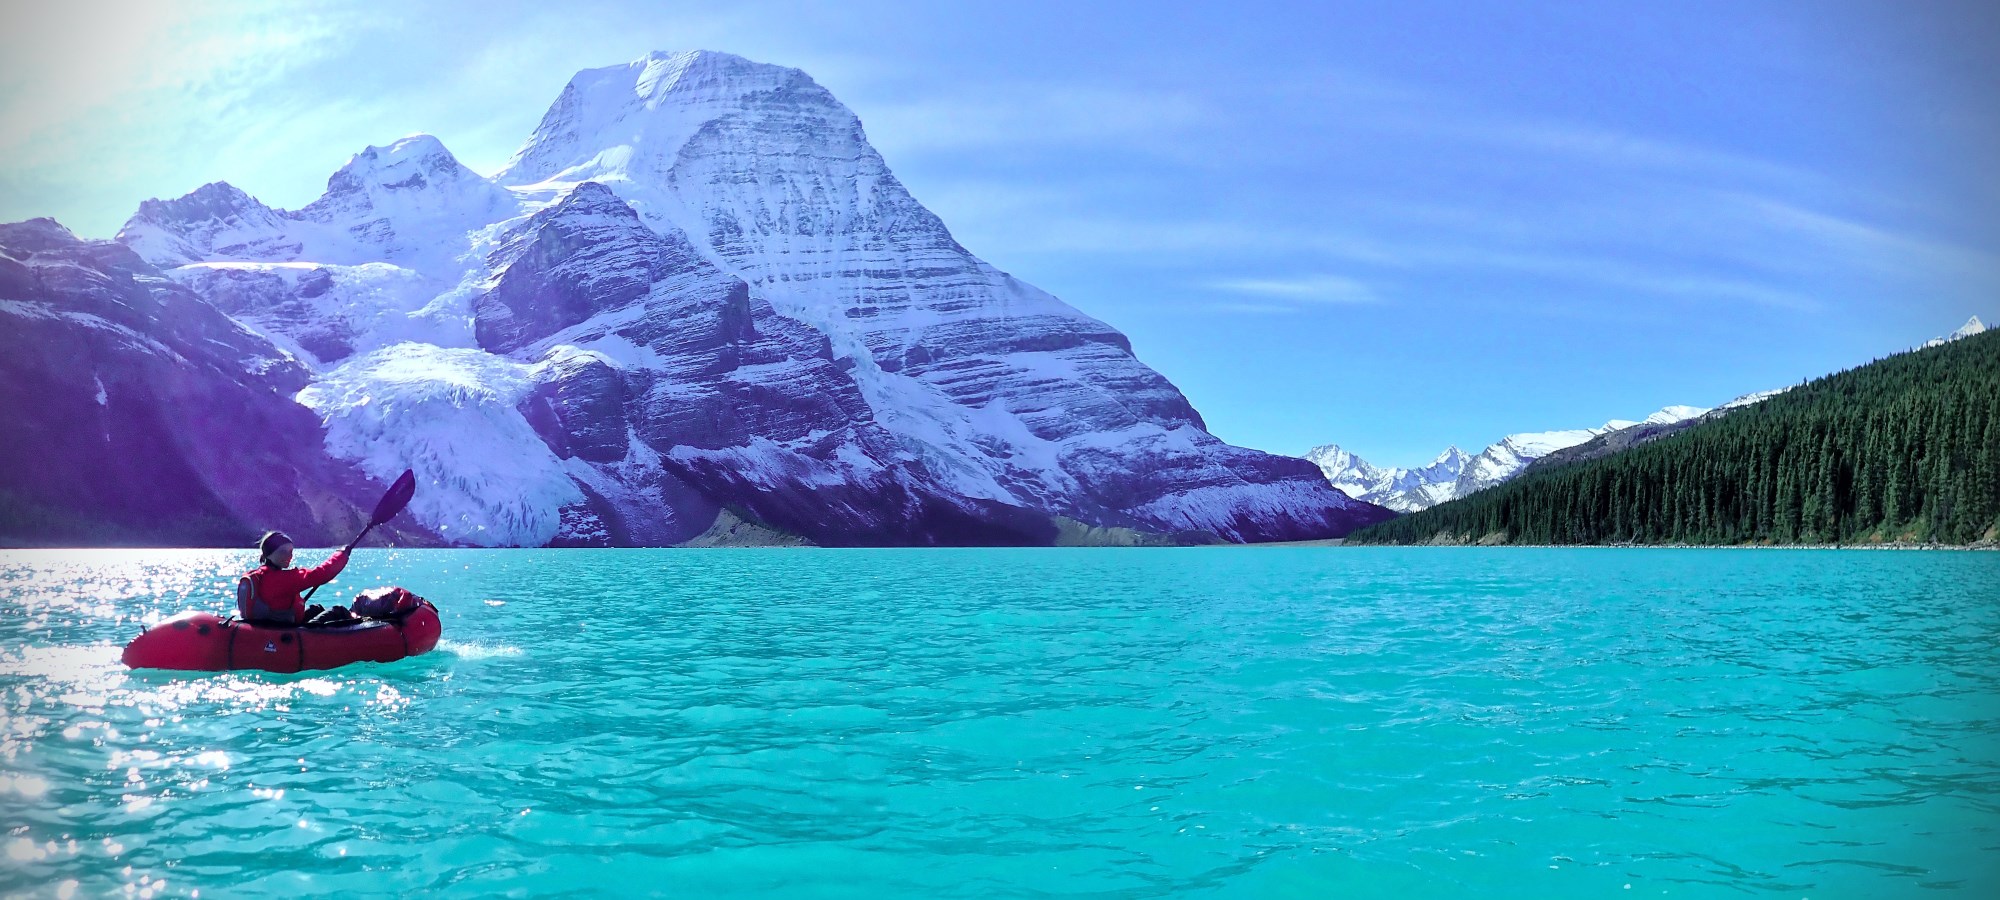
(452, 417)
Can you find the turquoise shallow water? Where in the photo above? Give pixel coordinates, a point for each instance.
(1269, 722)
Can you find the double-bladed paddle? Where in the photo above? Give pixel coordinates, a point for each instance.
(392, 503)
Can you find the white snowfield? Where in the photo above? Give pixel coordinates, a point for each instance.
(402, 290)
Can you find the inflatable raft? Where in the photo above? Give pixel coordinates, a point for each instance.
(206, 642)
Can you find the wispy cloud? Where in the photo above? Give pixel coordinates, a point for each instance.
(1607, 147)
(1619, 276)
(80, 69)
(1610, 217)
(1043, 221)
(1255, 309)
(1315, 289)
(1869, 244)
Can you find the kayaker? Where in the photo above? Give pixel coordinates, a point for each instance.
(270, 594)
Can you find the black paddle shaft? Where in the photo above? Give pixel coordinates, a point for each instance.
(392, 503)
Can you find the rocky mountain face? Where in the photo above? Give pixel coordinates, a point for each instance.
(698, 305)
(999, 391)
(139, 414)
(1457, 474)
(668, 388)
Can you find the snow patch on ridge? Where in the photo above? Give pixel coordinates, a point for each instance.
(1672, 414)
(1757, 397)
(451, 415)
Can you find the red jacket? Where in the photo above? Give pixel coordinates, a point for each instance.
(275, 593)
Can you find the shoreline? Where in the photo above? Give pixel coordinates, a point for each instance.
(1323, 542)
(1884, 546)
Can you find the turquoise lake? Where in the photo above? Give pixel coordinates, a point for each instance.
(1203, 722)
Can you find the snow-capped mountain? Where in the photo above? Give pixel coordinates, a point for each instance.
(1403, 490)
(696, 294)
(1455, 474)
(384, 256)
(410, 204)
(1971, 327)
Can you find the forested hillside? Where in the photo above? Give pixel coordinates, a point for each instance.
(1903, 449)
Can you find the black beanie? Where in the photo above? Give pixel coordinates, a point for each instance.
(272, 540)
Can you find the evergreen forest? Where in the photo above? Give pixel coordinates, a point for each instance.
(1904, 449)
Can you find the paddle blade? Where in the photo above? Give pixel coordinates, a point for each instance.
(398, 497)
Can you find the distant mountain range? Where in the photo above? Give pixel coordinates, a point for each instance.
(695, 306)
(1455, 474)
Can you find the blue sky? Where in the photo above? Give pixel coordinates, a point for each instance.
(1391, 226)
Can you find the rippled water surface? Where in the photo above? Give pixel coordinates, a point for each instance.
(1264, 722)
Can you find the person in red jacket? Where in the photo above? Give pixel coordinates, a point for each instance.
(270, 594)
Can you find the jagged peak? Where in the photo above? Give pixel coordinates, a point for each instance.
(663, 73)
(587, 206)
(1971, 327)
(37, 235)
(214, 200)
(649, 107)
(593, 195)
(216, 190)
(595, 201)
(1328, 451)
(414, 162)
(416, 146)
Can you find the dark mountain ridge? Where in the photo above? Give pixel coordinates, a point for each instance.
(137, 414)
